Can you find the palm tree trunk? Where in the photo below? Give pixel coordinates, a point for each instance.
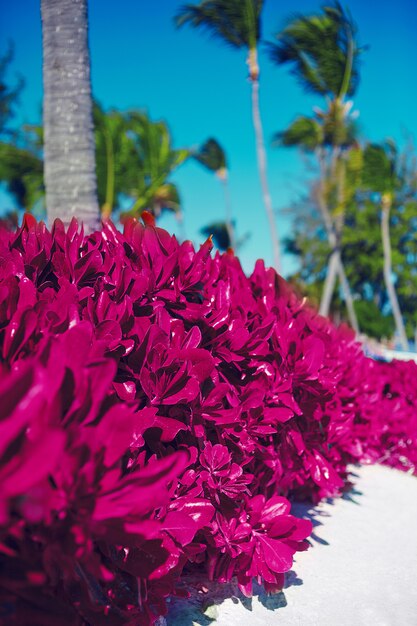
(107, 208)
(335, 270)
(392, 296)
(350, 307)
(261, 154)
(335, 264)
(337, 172)
(70, 177)
(329, 283)
(182, 234)
(228, 211)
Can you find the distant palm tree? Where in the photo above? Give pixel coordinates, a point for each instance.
(115, 155)
(151, 163)
(382, 175)
(212, 156)
(323, 54)
(134, 159)
(21, 170)
(220, 233)
(70, 177)
(314, 135)
(238, 23)
(9, 94)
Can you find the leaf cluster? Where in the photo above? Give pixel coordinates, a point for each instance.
(321, 50)
(371, 171)
(212, 156)
(235, 22)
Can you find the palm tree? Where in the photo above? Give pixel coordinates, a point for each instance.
(212, 156)
(21, 166)
(382, 176)
(220, 233)
(70, 177)
(238, 23)
(151, 163)
(314, 135)
(323, 54)
(115, 156)
(9, 95)
(21, 169)
(134, 160)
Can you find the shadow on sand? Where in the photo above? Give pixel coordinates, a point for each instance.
(205, 597)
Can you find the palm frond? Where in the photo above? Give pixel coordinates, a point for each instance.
(153, 162)
(329, 128)
(379, 167)
(304, 132)
(211, 155)
(321, 50)
(235, 22)
(220, 233)
(22, 172)
(339, 127)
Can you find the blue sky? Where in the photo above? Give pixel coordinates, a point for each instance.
(200, 88)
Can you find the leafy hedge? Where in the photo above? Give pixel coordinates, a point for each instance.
(157, 408)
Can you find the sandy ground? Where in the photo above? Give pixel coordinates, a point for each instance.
(360, 571)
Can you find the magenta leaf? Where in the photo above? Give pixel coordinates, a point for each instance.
(277, 556)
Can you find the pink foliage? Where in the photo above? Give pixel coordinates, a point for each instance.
(157, 409)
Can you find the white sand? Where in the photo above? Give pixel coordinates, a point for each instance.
(360, 571)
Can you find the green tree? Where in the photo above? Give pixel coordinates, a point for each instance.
(134, 159)
(20, 155)
(21, 169)
(314, 135)
(212, 156)
(150, 165)
(361, 243)
(382, 175)
(323, 54)
(115, 158)
(238, 24)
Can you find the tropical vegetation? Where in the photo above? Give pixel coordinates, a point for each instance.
(238, 24)
(323, 53)
(340, 226)
(159, 408)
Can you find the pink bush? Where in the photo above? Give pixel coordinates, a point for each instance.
(157, 408)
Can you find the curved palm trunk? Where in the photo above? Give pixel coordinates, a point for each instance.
(335, 266)
(107, 208)
(261, 154)
(329, 282)
(348, 297)
(228, 211)
(335, 270)
(392, 296)
(70, 176)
